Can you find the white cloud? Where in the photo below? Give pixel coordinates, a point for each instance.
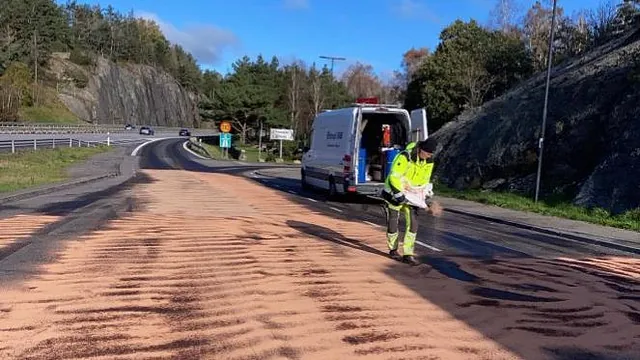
(296, 4)
(205, 42)
(415, 9)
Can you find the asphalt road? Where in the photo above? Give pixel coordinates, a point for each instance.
(172, 276)
(453, 234)
(88, 206)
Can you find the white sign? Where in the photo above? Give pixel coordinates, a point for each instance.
(281, 134)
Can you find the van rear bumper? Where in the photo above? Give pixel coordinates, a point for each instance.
(374, 189)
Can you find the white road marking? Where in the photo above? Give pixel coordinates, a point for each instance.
(292, 192)
(428, 246)
(184, 146)
(312, 200)
(139, 147)
(335, 209)
(372, 224)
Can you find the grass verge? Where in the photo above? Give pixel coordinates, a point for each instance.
(28, 168)
(252, 153)
(629, 220)
(213, 151)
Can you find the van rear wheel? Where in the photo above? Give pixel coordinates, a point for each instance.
(333, 191)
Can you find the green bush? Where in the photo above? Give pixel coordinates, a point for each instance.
(80, 57)
(270, 157)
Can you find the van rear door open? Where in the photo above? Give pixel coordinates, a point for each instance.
(419, 129)
(370, 154)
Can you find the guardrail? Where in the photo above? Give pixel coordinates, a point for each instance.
(52, 143)
(43, 128)
(195, 146)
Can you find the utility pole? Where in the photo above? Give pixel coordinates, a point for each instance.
(546, 102)
(333, 59)
(260, 143)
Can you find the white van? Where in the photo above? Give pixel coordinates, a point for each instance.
(346, 155)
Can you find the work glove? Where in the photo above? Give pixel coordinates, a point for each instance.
(399, 198)
(429, 190)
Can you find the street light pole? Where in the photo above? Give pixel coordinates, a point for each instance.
(546, 102)
(333, 59)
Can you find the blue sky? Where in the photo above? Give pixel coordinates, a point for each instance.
(377, 32)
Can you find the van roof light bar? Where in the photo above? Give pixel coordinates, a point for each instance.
(395, 106)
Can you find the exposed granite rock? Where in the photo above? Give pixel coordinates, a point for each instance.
(127, 93)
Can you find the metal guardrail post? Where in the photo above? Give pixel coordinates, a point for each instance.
(53, 143)
(108, 140)
(70, 142)
(13, 146)
(35, 144)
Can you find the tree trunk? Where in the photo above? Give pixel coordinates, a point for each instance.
(241, 126)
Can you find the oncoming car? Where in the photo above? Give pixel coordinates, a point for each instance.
(146, 130)
(184, 132)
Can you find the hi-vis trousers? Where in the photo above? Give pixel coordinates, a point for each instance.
(393, 216)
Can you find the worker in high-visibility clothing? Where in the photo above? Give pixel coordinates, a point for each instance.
(414, 166)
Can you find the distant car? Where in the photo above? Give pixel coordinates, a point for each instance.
(129, 127)
(145, 130)
(184, 132)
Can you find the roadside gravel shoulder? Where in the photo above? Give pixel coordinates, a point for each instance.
(103, 163)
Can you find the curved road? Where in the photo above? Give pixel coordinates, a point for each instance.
(450, 234)
(79, 264)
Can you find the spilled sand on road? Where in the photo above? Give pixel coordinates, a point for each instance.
(18, 228)
(213, 271)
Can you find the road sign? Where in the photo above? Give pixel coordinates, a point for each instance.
(281, 134)
(225, 140)
(225, 126)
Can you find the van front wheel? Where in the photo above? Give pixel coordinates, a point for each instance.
(303, 181)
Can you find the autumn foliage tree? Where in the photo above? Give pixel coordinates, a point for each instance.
(470, 66)
(473, 64)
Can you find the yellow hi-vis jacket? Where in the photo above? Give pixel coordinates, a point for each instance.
(415, 172)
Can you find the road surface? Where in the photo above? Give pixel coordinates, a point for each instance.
(200, 259)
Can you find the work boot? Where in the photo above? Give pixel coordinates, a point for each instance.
(395, 255)
(411, 260)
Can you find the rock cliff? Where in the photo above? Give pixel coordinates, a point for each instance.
(124, 93)
(592, 145)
